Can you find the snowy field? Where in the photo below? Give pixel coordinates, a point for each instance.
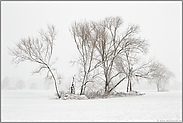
(41, 106)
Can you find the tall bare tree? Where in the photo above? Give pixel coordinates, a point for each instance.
(38, 50)
(112, 44)
(84, 38)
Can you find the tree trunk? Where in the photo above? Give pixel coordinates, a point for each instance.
(106, 92)
(81, 92)
(55, 82)
(106, 88)
(116, 85)
(82, 86)
(106, 83)
(130, 86)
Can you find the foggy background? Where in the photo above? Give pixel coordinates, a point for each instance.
(160, 23)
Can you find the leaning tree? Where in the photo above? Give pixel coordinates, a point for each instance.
(38, 50)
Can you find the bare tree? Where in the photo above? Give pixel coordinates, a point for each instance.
(160, 75)
(153, 71)
(112, 45)
(84, 38)
(128, 61)
(38, 50)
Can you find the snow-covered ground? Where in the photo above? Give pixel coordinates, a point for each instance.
(41, 106)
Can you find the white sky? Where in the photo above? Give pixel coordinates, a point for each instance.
(160, 23)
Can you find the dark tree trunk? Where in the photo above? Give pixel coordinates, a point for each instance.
(130, 86)
(81, 92)
(106, 83)
(127, 87)
(106, 88)
(83, 88)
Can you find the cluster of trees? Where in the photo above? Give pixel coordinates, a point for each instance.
(107, 55)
